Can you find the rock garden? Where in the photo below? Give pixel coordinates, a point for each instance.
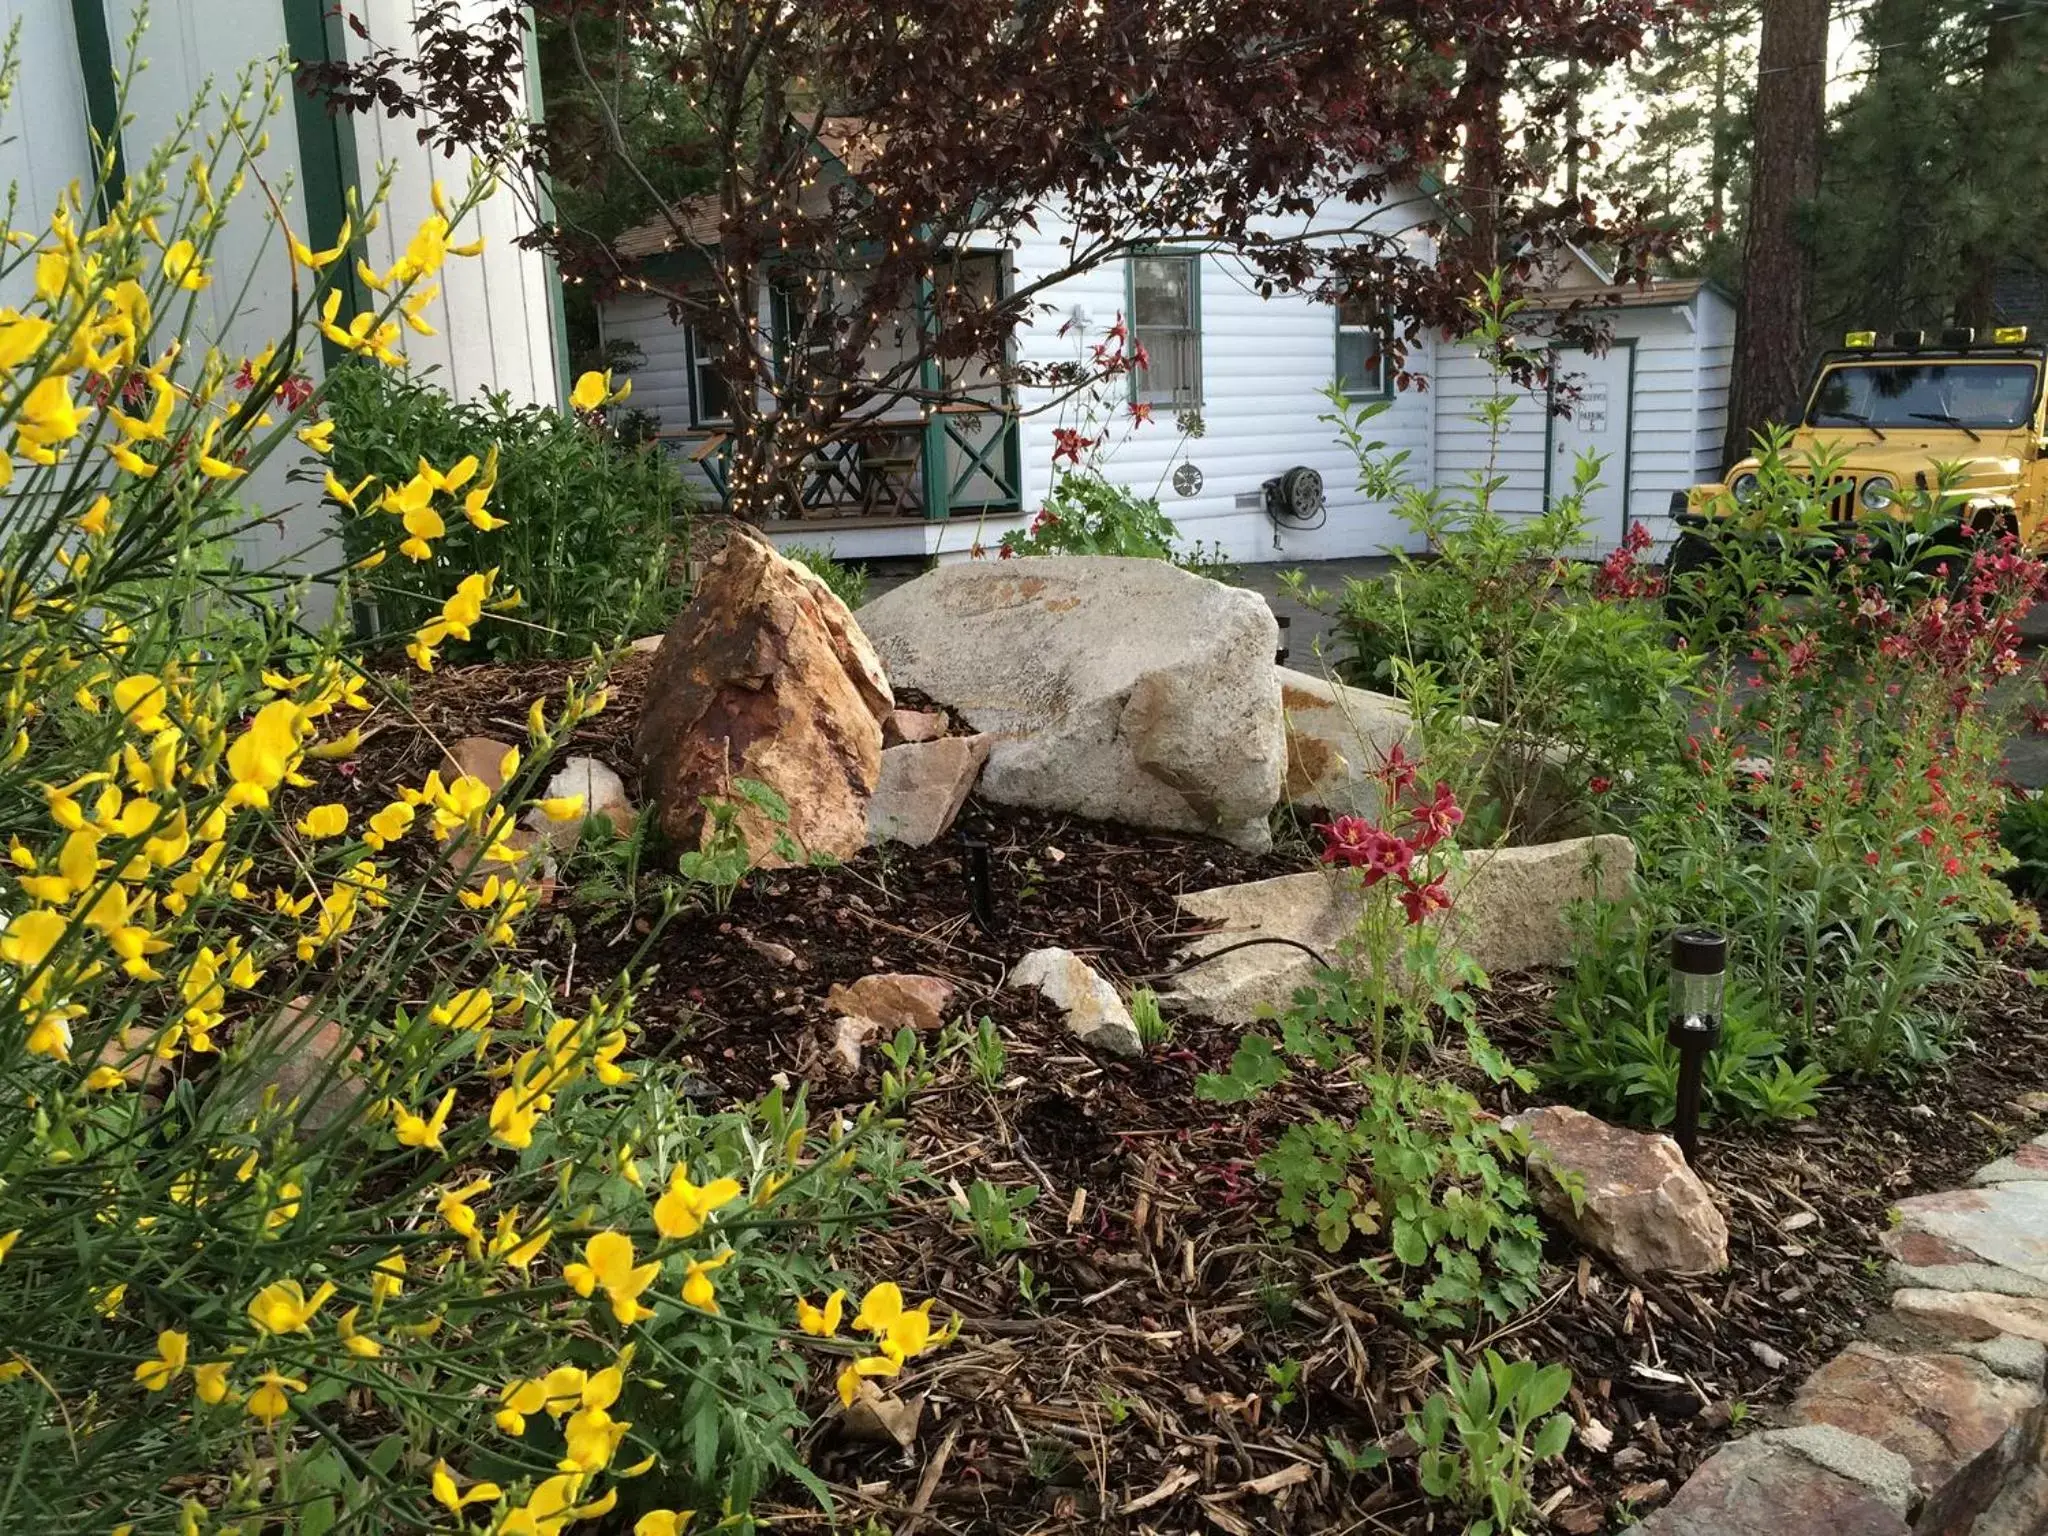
(623, 1040)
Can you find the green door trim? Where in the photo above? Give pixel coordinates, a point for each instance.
(1628, 440)
(328, 169)
(102, 97)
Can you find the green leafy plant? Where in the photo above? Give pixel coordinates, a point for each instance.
(595, 536)
(1485, 1432)
(848, 583)
(1086, 514)
(1155, 1030)
(996, 1216)
(907, 1070)
(986, 1054)
(1608, 1049)
(2023, 833)
(722, 862)
(1284, 1376)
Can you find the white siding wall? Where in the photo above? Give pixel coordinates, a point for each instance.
(44, 144)
(495, 312)
(1677, 414)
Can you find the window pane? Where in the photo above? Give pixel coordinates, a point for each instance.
(713, 404)
(1170, 375)
(1357, 312)
(1358, 362)
(1161, 287)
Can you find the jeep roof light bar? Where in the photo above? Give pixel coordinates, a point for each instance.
(1957, 338)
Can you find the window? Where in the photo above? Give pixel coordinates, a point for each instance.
(1361, 350)
(1903, 396)
(710, 404)
(1166, 318)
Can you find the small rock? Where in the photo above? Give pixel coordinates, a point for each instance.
(602, 792)
(1791, 1483)
(1716, 1415)
(1959, 1425)
(1627, 1194)
(774, 953)
(1094, 1011)
(1629, 1457)
(647, 645)
(913, 725)
(1767, 1357)
(2035, 1103)
(1642, 1495)
(895, 1000)
(849, 1033)
(477, 757)
(1595, 1436)
(922, 786)
(298, 1057)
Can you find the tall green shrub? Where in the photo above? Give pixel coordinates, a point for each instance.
(595, 533)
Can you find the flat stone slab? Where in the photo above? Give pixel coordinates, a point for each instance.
(1975, 1315)
(1989, 1239)
(2027, 1164)
(1508, 913)
(1959, 1424)
(1799, 1482)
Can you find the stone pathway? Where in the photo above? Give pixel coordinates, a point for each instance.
(1937, 1423)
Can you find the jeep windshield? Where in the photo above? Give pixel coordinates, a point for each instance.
(1907, 395)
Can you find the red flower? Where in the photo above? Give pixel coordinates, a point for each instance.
(1140, 358)
(295, 391)
(1597, 784)
(1346, 839)
(1141, 411)
(1438, 818)
(1069, 444)
(1397, 771)
(1952, 867)
(1386, 855)
(1046, 515)
(1005, 552)
(1421, 900)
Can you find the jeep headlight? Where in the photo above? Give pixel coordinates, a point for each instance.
(1877, 493)
(1743, 487)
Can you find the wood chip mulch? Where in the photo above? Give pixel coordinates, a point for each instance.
(1171, 1361)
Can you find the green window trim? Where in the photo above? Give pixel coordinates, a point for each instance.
(1193, 330)
(102, 95)
(328, 169)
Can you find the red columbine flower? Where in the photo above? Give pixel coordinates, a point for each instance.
(1386, 856)
(1141, 411)
(1597, 784)
(1421, 900)
(1346, 840)
(1069, 444)
(1045, 515)
(1397, 771)
(1438, 818)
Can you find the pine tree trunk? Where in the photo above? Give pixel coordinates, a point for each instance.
(1980, 254)
(1771, 317)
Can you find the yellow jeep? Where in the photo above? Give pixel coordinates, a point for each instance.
(1886, 416)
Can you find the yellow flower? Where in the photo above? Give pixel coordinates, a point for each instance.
(822, 1321)
(355, 1343)
(591, 391)
(387, 1279)
(271, 1400)
(210, 1382)
(561, 807)
(29, 937)
(608, 1264)
(519, 1399)
(389, 825)
(590, 1440)
(319, 437)
(48, 416)
(413, 307)
(424, 525)
(697, 1288)
(454, 1208)
(7, 1242)
(470, 1008)
(94, 523)
(20, 337)
(212, 467)
(104, 1080)
(159, 1373)
(109, 1301)
(347, 744)
(444, 1490)
(899, 1333)
(329, 820)
(346, 494)
(683, 1207)
(283, 1307)
(413, 1131)
(663, 1522)
(182, 267)
(867, 1365)
(261, 756)
(314, 260)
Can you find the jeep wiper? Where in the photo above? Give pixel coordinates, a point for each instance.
(1948, 421)
(1860, 421)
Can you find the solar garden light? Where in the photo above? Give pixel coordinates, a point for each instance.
(981, 896)
(1699, 977)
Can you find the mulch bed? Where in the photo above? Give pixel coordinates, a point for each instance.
(1178, 1362)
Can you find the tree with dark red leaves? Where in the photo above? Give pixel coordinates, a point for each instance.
(854, 153)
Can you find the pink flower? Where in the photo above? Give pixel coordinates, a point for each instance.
(1419, 901)
(1386, 855)
(1438, 818)
(1346, 839)
(1397, 771)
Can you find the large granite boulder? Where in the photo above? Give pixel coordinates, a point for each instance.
(1123, 690)
(1627, 1194)
(1508, 913)
(764, 676)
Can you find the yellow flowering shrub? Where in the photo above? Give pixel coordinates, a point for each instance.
(319, 1204)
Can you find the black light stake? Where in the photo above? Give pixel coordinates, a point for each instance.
(1699, 976)
(981, 896)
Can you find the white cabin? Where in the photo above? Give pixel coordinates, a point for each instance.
(1254, 371)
